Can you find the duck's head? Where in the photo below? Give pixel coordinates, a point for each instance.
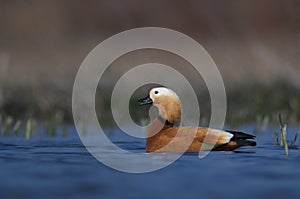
(167, 102)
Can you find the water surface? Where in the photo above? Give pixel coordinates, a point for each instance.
(57, 167)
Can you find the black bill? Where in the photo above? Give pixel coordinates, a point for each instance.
(146, 100)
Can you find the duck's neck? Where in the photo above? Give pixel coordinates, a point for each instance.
(170, 113)
(166, 122)
(169, 116)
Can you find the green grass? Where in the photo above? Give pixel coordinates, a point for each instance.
(10, 126)
(280, 139)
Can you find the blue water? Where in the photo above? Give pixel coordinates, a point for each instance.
(45, 167)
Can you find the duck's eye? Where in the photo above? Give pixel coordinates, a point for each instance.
(155, 92)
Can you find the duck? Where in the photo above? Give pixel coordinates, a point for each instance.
(165, 128)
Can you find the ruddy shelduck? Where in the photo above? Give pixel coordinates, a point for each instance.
(164, 129)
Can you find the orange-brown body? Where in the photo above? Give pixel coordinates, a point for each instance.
(165, 138)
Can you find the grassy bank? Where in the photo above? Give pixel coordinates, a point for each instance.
(253, 103)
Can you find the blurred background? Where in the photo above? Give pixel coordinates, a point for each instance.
(255, 44)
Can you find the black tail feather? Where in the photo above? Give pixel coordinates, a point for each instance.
(242, 139)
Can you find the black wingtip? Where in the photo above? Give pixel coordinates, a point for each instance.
(243, 139)
(241, 135)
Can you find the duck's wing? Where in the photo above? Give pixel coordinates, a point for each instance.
(213, 136)
(197, 136)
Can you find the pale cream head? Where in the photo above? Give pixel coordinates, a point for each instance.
(168, 103)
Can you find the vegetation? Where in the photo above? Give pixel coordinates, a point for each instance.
(281, 139)
(248, 104)
(29, 128)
